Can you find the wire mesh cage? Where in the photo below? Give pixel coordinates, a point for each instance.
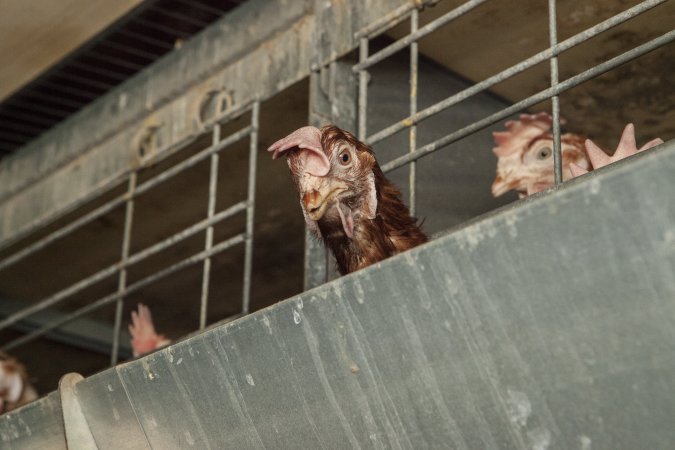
(227, 147)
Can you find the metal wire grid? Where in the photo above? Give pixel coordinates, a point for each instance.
(126, 260)
(405, 12)
(410, 11)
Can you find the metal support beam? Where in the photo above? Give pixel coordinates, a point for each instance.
(331, 101)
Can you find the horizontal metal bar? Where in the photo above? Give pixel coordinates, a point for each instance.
(87, 334)
(199, 5)
(163, 154)
(61, 232)
(147, 39)
(186, 233)
(514, 70)
(72, 101)
(98, 71)
(228, 115)
(65, 77)
(108, 271)
(78, 96)
(412, 37)
(32, 119)
(532, 100)
(389, 20)
(120, 62)
(17, 137)
(193, 160)
(42, 109)
(131, 50)
(59, 296)
(181, 17)
(171, 31)
(238, 239)
(20, 126)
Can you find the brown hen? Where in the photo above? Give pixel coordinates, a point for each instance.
(346, 199)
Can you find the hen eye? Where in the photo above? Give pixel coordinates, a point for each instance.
(544, 152)
(344, 158)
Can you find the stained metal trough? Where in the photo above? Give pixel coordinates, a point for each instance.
(479, 339)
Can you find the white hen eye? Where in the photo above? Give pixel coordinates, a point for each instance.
(544, 152)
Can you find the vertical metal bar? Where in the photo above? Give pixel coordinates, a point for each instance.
(122, 281)
(363, 89)
(250, 207)
(213, 184)
(555, 100)
(414, 57)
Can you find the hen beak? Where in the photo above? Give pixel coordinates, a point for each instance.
(501, 186)
(317, 200)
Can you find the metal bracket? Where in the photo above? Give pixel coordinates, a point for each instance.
(78, 434)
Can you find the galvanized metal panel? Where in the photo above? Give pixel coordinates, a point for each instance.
(38, 425)
(111, 417)
(480, 339)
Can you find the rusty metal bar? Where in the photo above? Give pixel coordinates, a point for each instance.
(122, 282)
(389, 20)
(112, 204)
(108, 271)
(363, 91)
(131, 289)
(250, 206)
(166, 152)
(194, 160)
(532, 100)
(413, 37)
(514, 70)
(555, 100)
(213, 184)
(414, 60)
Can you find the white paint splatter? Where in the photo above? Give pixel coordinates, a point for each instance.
(297, 318)
(300, 304)
(540, 438)
(122, 101)
(669, 238)
(594, 186)
(110, 388)
(585, 442)
(519, 406)
(189, 439)
(180, 360)
(152, 422)
(249, 379)
(360, 294)
(268, 325)
(510, 221)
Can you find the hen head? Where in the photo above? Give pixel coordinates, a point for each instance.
(334, 174)
(525, 155)
(12, 381)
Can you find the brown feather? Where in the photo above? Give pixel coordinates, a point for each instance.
(392, 231)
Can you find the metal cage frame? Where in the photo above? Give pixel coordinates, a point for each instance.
(353, 112)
